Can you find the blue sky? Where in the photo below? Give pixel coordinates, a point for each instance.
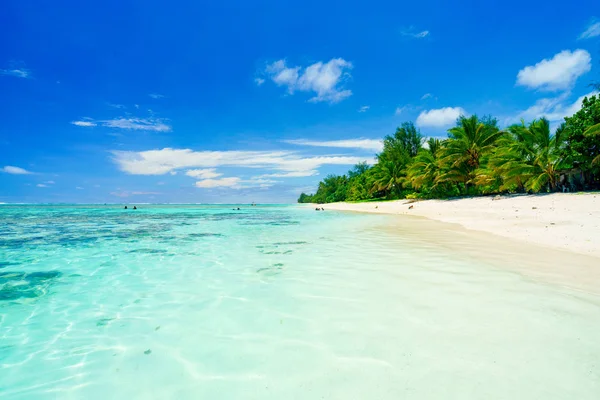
(148, 101)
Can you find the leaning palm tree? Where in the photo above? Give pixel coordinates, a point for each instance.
(387, 176)
(594, 130)
(512, 158)
(467, 145)
(425, 168)
(532, 157)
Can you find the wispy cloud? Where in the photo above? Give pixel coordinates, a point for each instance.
(235, 183)
(591, 31)
(557, 73)
(156, 96)
(426, 96)
(208, 173)
(113, 105)
(324, 79)
(129, 123)
(50, 182)
(366, 144)
(294, 174)
(17, 72)
(399, 110)
(440, 118)
(554, 109)
(9, 169)
(363, 109)
(259, 81)
(84, 123)
(125, 193)
(78, 188)
(159, 162)
(232, 182)
(146, 124)
(410, 32)
(41, 185)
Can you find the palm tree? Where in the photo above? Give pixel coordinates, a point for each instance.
(594, 130)
(468, 143)
(512, 159)
(425, 168)
(388, 175)
(531, 157)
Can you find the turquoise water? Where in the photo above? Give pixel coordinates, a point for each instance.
(273, 303)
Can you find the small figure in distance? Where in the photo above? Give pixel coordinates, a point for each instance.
(238, 209)
(126, 207)
(134, 207)
(410, 207)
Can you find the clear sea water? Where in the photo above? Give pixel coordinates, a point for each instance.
(273, 302)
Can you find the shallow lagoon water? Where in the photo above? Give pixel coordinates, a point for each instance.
(271, 303)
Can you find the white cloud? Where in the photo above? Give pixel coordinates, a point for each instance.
(125, 193)
(426, 96)
(558, 73)
(399, 110)
(17, 72)
(84, 123)
(159, 162)
(416, 35)
(554, 109)
(50, 182)
(78, 188)
(259, 81)
(363, 109)
(592, 30)
(41, 185)
(9, 169)
(156, 96)
(121, 106)
(441, 117)
(295, 174)
(235, 183)
(258, 181)
(145, 124)
(324, 79)
(232, 182)
(366, 144)
(208, 173)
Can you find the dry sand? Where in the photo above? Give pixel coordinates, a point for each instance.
(569, 221)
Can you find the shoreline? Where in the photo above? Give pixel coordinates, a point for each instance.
(547, 237)
(562, 221)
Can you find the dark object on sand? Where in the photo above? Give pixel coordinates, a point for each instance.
(410, 207)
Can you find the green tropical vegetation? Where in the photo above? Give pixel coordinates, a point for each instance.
(476, 158)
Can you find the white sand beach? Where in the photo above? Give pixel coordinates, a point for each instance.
(569, 221)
